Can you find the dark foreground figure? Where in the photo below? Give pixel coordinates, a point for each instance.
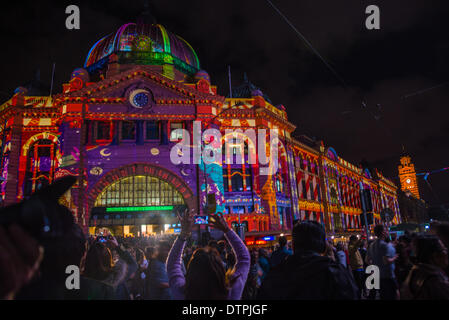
(307, 275)
(427, 280)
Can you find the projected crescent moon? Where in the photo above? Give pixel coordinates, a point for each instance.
(103, 152)
(184, 173)
(154, 151)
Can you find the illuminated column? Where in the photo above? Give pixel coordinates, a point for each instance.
(357, 197)
(300, 186)
(11, 188)
(307, 179)
(313, 186)
(351, 195)
(344, 194)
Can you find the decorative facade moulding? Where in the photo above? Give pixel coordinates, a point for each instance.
(310, 205)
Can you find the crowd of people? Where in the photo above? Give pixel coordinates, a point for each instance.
(309, 267)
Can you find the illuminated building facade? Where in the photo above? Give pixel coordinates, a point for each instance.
(114, 127)
(312, 183)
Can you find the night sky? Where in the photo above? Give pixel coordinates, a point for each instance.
(390, 67)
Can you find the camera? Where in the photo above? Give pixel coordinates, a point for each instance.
(41, 215)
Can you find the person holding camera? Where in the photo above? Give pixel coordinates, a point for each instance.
(99, 266)
(206, 277)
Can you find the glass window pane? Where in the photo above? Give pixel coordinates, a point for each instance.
(128, 130)
(103, 130)
(173, 127)
(152, 130)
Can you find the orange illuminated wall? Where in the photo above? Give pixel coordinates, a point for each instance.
(407, 175)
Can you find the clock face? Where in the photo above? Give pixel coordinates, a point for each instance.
(139, 98)
(142, 43)
(408, 180)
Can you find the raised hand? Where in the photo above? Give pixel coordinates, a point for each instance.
(186, 221)
(218, 222)
(113, 241)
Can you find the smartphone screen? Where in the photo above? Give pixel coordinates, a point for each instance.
(201, 219)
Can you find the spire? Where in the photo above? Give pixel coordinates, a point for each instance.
(404, 152)
(245, 77)
(37, 74)
(146, 17)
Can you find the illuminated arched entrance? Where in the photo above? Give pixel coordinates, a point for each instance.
(139, 199)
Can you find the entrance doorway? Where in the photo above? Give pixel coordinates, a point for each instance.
(138, 205)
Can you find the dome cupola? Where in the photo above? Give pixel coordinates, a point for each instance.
(143, 44)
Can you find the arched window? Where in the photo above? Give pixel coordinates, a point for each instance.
(40, 165)
(237, 179)
(139, 191)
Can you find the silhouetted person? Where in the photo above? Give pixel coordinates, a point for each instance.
(356, 262)
(158, 287)
(100, 267)
(281, 253)
(442, 231)
(383, 255)
(427, 280)
(307, 274)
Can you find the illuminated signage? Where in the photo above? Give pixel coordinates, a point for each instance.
(252, 242)
(152, 208)
(268, 238)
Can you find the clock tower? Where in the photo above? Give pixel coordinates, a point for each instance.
(407, 176)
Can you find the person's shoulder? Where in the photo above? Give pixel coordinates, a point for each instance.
(155, 263)
(95, 289)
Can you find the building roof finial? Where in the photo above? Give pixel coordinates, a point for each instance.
(146, 17)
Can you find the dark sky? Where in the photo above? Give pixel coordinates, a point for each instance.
(408, 54)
